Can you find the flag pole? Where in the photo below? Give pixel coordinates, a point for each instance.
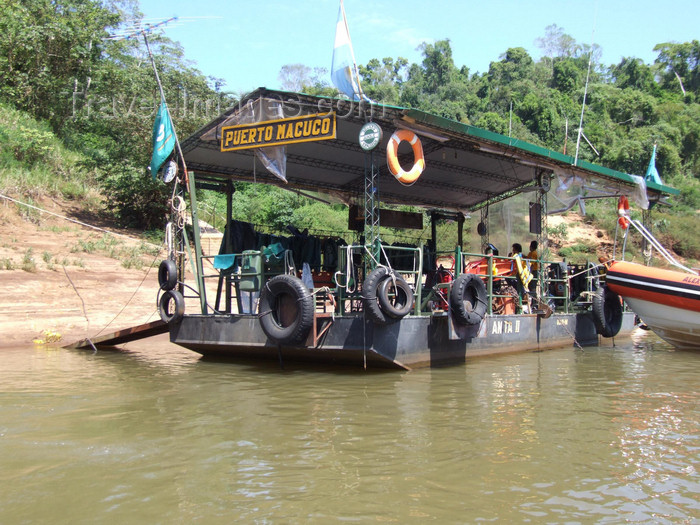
(162, 99)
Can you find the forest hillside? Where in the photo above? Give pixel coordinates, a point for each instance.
(77, 111)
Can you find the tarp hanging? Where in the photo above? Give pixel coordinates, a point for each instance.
(574, 189)
(274, 158)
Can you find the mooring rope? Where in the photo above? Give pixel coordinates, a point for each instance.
(87, 328)
(132, 295)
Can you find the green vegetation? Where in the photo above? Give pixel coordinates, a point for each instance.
(77, 110)
(28, 262)
(109, 246)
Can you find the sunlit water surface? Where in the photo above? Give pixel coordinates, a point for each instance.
(153, 434)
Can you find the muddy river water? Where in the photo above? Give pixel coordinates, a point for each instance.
(154, 434)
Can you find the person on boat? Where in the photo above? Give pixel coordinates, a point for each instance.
(533, 257)
(489, 252)
(522, 271)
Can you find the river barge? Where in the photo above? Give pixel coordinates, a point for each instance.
(372, 304)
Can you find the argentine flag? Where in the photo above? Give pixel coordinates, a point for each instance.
(163, 138)
(343, 68)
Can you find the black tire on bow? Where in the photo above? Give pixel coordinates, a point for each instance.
(607, 312)
(171, 306)
(395, 297)
(468, 299)
(167, 274)
(286, 309)
(370, 299)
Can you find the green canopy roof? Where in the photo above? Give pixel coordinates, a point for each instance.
(466, 167)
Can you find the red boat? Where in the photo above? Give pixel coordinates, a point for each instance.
(666, 300)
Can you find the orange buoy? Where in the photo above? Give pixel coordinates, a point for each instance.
(623, 207)
(410, 176)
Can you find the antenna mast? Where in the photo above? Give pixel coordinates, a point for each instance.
(144, 31)
(585, 91)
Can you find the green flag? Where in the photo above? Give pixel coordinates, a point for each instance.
(163, 138)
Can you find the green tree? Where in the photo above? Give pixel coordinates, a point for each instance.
(680, 66)
(633, 73)
(47, 50)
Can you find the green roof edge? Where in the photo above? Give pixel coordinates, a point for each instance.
(473, 131)
(567, 160)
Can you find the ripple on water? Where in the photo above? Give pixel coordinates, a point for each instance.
(600, 434)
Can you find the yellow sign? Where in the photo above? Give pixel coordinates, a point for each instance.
(319, 126)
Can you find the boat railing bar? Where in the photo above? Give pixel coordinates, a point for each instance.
(544, 279)
(659, 247)
(345, 267)
(416, 272)
(238, 275)
(490, 275)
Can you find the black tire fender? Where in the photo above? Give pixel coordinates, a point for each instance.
(370, 299)
(286, 309)
(593, 275)
(468, 299)
(395, 297)
(607, 312)
(171, 306)
(167, 274)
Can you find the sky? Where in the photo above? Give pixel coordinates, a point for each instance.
(247, 43)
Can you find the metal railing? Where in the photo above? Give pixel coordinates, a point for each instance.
(356, 259)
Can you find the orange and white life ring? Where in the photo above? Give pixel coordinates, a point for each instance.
(410, 176)
(623, 207)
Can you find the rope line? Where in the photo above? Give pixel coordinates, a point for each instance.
(87, 328)
(72, 220)
(132, 295)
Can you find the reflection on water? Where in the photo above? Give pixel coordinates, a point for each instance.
(155, 435)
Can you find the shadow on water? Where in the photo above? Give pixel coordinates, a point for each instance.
(270, 366)
(158, 351)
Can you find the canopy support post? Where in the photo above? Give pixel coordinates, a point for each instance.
(460, 230)
(542, 240)
(433, 233)
(197, 244)
(372, 205)
(229, 247)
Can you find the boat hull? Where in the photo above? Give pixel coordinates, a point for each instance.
(412, 342)
(668, 302)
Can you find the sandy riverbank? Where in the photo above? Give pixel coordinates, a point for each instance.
(39, 257)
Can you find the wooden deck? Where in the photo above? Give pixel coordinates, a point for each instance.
(125, 335)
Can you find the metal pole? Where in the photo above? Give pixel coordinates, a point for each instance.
(197, 248)
(229, 247)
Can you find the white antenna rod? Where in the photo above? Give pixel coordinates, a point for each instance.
(510, 120)
(585, 89)
(143, 31)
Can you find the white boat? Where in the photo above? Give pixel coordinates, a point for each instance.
(667, 301)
